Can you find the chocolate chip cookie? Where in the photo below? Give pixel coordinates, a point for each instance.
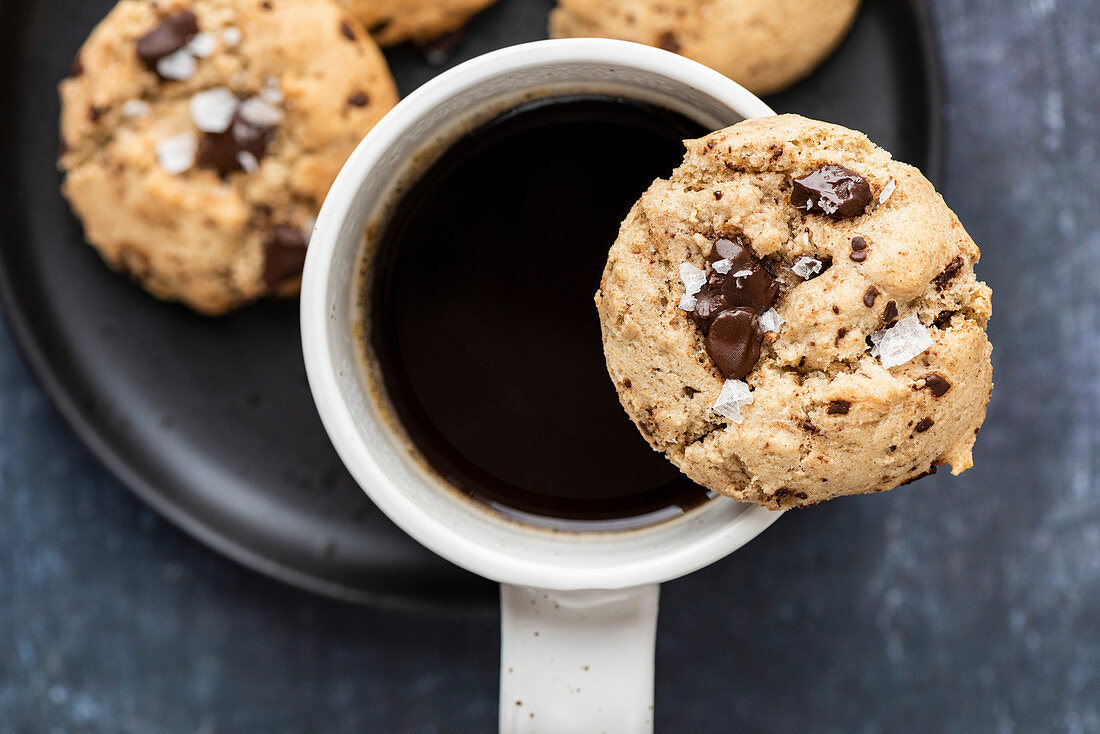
(764, 45)
(199, 138)
(420, 21)
(794, 316)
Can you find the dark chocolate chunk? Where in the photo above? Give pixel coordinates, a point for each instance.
(220, 151)
(838, 407)
(922, 475)
(840, 334)
(669, 42)
(733, 342)
(832, 190)
(943, 320)
(690, 392)
(810, 427)
(934, 383)
(709, 301)
(717, 195)
(859, 250)
(924, 425)
(172, 34)
(948, 273)
(870, 296)
(347, 30)
(359, 99)
(284, 254)
(380, 26)
(890, 313)
(756, 291)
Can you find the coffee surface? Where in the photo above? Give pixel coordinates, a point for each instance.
(482, 319)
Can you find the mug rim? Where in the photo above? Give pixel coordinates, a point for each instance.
(323, 373)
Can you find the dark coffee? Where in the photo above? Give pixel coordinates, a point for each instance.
(482, 319)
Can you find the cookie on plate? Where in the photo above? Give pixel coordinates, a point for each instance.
(419, 21)
(199, 138)
(764, 45)
(793, 316)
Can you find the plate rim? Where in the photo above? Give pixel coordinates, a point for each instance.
(13, 16)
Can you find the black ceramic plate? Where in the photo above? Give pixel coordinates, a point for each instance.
(210, 421)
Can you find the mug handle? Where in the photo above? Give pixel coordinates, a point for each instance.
(577, 661)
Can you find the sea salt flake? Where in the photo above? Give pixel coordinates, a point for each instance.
(742, 274)
(771, 320)
(688, 301)
(694, 278)
(734, 396)
(231, 36)
(177, 154)
(202, 45)
(722, 266)
(887, 190)
(133, 108)
(248, 161)
(179, 65)
(261, 113)
(901, 342)
(806, 237)
(271, 93)
(806, 266)
(212, 110)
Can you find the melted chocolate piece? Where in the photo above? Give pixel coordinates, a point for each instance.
(832, 190)
(943, 320)
(859, 250)
(733, 342)
(935, 383)
(172, 34)
(890, 313)
(284, 254)
(756, 291)
(359, 99)
(838, 407)
(924, 425)
(708, 303)
(870, 296)
(948, 273)
(220, 150)
(737, 302)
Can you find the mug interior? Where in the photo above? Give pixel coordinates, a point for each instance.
(349, 393)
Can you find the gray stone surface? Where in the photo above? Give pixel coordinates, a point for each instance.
(957, 605)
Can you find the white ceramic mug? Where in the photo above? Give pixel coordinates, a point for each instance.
(579, 609)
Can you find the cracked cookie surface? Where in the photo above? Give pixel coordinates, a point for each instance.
(829, 410)
(420, 21)
(199, 138)
(764, 45)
